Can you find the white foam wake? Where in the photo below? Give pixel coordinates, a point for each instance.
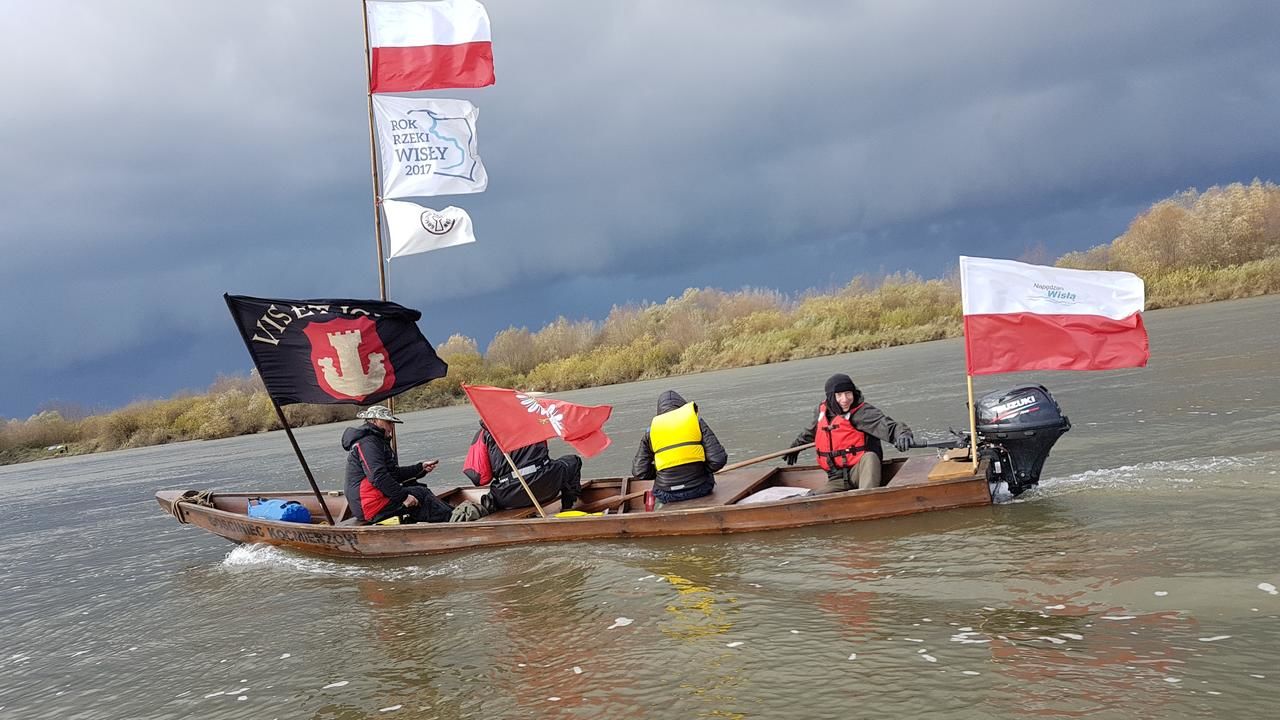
(243, 556)
(1140, 475)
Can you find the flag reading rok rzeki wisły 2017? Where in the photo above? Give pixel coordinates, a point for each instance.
(334, 351)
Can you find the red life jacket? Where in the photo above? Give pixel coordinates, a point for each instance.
(477, 465)
(838, 443)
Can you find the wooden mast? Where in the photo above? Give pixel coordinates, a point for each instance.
(373, 153)
(373, 165)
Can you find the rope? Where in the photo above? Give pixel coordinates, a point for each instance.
(202, 498)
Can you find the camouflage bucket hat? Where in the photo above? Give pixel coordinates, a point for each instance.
(378, 412)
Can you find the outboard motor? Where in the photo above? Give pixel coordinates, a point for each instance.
(1016, 429)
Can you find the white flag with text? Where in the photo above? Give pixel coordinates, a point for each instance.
(427, 146)
(412, 228)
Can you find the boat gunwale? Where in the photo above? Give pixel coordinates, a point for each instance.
(167, 497)
(442, 527)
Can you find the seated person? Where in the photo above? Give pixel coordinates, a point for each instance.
(486, 466)
(847, 431)
(679, 452)
(377, 487)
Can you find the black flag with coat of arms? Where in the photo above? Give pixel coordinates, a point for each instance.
(328, 352)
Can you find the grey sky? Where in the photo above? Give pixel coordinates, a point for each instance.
(160, 154)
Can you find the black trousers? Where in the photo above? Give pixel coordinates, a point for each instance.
(562, 476)
(429, 509)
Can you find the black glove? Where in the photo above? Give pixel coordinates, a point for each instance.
(791, 458)
(904, 441)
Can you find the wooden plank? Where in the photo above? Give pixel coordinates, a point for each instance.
(915, 470)
(730, 488)
(612, 501)
(954, 469)
(550, 508)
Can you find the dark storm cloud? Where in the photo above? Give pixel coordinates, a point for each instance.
(167, 153)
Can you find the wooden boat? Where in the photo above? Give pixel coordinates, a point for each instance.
(912, 485)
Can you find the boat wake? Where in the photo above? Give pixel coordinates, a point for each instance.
(1160, 473)
(256, 556)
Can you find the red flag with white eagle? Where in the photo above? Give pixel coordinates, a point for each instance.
(416, 45)
(1033, 317)
(517, 419)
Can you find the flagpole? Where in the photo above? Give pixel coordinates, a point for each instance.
(373, 151)
(525, 485)
(973, 411)
(373, 164)
(973, 426)
(305, 468)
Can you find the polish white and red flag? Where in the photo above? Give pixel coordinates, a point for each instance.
(427, 45)
(1019, 316)
(517, 419)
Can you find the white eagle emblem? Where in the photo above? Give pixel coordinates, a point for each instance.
(552, 415)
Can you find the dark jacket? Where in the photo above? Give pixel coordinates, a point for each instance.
(689, 475)
(535, 454)
(384, 472)
(865, 417)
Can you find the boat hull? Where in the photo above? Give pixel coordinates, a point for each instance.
(351, 541)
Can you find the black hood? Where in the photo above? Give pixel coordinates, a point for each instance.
(669, 400)
(840, 383)
(352, 435)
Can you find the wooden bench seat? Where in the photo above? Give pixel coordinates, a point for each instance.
(550, 509)
(730, 488)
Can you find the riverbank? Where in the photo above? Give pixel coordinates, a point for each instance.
(1191, 248)
(239, 406)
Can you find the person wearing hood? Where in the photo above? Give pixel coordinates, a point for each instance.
(547, 477)
(377, 486)
(678, 452)
(847, 431)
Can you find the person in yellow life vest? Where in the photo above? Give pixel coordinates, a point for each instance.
(846, 432)
(678, 452)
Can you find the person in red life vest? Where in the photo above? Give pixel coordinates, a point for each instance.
(377, 486)
(678, 452)
(485, 466)
(846, 433)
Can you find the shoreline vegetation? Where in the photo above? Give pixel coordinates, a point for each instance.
(1191, 248)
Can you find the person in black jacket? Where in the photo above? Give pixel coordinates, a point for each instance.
(688, 455)
(847, 431)
(547, 477)
(377, 487)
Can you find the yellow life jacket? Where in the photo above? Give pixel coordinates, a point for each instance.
(676, 438)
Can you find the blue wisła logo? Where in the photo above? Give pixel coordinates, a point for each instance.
(1055, 294)
(455, 137)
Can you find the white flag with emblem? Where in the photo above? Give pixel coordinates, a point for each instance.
(427, 146)
(412, 228)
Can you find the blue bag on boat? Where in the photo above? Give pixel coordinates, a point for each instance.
(291, 511)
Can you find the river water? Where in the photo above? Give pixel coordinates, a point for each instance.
(1136, 582)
